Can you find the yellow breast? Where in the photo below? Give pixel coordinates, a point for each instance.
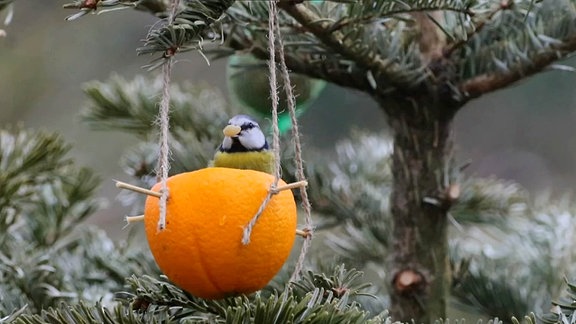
(260, 161)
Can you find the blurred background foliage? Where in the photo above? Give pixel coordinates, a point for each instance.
(522, 134)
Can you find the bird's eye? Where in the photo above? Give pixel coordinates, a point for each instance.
(247, 126)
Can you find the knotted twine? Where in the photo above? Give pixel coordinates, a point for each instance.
(273, 31)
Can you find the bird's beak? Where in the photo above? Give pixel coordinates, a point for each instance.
(231, 130)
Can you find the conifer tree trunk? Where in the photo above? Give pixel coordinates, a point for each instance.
(420, 202)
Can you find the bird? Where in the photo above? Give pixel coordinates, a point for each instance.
(244, 146)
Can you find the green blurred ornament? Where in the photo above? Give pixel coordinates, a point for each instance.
(249, 86)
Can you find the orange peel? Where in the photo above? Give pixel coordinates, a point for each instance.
(201, 249)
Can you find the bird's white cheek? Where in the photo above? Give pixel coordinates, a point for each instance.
(253, 139)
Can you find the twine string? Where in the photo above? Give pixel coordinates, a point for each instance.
(163, 120)
(300, 174)
(273, 31)
(272, 16)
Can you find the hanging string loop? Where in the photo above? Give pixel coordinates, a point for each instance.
(276, 46)
(163, 120)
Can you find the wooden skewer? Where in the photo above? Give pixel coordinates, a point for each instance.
(124, 185)
(289, 186)
(304, 233)
(134, 219)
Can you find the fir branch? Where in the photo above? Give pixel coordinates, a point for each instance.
(490, 82)
(84, 264)
(397, 8)
(92, 6)
(475, 57)
(565, 307)
(45, 257)
(496, 297)
(352, 195)
(339, 283)
(95, 314)
(63, 205)
(528, 47)
(149, 290)
(355, 184)
(150, 293)
(349, 48)
(5, 3)
(394, 8)
(364, 45)
(316, 304)
(37, 177)
(95, 4)
(478, 26)
(568, 302)
(131, 106)
(344, 75)
(361, 244)
(186, 31)
(199, 113)
(11, 317)
(155, 7)
(306, 54)
(489, 201)
(530, 278)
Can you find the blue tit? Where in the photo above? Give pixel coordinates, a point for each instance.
(244, 146)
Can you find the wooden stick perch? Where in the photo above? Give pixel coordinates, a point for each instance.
(127, 186)
(134, 219)
(305, 233)
(289, 186)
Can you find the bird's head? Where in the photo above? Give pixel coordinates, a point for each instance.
(243, 134)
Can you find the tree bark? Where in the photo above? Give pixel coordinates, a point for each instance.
(420, 200)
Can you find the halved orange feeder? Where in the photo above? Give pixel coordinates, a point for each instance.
(201, 249)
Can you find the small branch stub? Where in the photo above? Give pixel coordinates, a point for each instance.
(453, 192)
(446, 199)
(408, 281)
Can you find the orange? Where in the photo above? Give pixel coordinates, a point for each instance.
(201, 249)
